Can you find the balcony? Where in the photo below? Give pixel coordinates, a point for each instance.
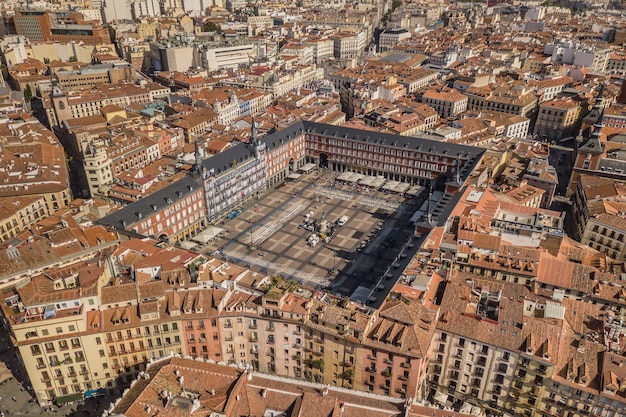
(370, 370)
(317, 353)
(202, 340)
(64, 347)
(35, 352)
(253, 326)
(388, 361)
(41, 366)
(405, 365)
(72, 374)
(371, 357)
(297, 345)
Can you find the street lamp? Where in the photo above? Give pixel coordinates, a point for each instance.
(334, 271)
(251, 246)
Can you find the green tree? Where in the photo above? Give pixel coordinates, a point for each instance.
(73, 58)
(5, 71)
(211, 27)
(46, 60)
(28, 93)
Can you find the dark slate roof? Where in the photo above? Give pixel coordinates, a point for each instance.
(125, 218)
(617, 166)
(396, 30)
(407, 142)
(422, 144)
(223, 161)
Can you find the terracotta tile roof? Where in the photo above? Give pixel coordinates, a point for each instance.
(232, 392)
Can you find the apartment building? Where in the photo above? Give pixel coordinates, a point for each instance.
(394, 355)
(323, 49)
(476, 355)
(558, 119)
(235, 391)
(616, 64)
(589, 199)
(304, 52)
(196, 123)
(615, 116)
(232, 177)
(348, 45)
(62, 106)
(104, 159)
(418, 79)
(391, 37)
(45, 25)
(605, 232)
(493, 252)
(90, 76)
(54, 318)
(548, 89)
(174, 213)
(20, 214)
(216, 57)
(33, 167)
(447, 103)
(503, 99)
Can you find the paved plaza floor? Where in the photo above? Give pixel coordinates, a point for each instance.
(268, 236)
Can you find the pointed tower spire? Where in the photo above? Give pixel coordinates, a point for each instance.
(593, 145)
(598, 104)
(253, 133)
(428, 211)
(197, 166)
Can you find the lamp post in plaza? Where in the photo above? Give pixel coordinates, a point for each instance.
(251, 246)
(334, 271)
